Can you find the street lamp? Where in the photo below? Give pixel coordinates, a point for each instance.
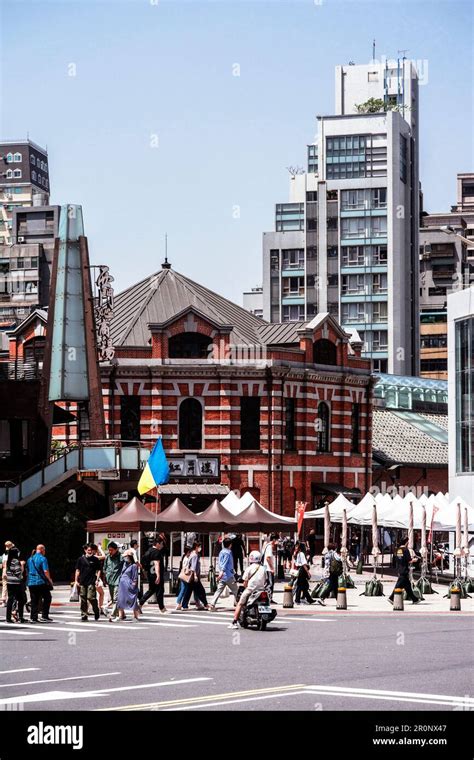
(448, 230)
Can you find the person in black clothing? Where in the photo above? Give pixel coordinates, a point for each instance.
(404, 560)
(154, 564)
(332, 570)
(304, 575)
(238, 553)
(15, 571)
(311, 541)
(88, 570)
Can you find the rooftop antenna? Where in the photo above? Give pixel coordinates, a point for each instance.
(166, 264)
(404, 53)
(373, 50)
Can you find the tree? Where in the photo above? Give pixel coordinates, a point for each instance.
(378, 105)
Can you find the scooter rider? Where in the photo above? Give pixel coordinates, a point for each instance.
(254, 579)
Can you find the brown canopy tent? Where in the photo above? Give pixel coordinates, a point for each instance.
(134, 516)
(257, 518)
(216, 518)
(176, 517)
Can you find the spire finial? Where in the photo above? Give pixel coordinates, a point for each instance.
(166, 264)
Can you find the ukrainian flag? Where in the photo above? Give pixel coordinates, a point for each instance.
(156, 470)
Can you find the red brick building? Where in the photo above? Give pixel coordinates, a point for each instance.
(283, 410)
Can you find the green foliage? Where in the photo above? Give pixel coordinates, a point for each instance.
(61, 528)
(377, 105)
(372, 105)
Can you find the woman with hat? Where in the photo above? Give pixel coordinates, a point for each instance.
(127, 597)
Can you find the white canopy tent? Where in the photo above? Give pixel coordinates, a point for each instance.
(335, 510)
(446, 518)
(236, 505)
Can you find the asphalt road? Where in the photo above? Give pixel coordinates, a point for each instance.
(308, 659)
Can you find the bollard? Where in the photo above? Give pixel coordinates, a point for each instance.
(398, 599)
(341, 603)
(455, 599)
(288, 596)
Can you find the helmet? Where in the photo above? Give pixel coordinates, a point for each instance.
(254, 557)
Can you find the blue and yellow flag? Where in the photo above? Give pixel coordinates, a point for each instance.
(156, 470)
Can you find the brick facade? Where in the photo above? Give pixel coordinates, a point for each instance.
(275, 476)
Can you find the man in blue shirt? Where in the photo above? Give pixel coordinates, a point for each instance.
(40, 584)
(226, 573)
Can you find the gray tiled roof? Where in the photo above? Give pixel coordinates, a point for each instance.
(165, 294)
(395, 440)
(280, 332)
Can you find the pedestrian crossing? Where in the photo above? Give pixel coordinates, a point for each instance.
(67, 620)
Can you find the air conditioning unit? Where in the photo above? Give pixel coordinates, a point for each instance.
(21, 239)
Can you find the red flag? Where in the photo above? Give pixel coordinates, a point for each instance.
(300, 510)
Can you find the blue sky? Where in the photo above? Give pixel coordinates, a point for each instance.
(155, 134)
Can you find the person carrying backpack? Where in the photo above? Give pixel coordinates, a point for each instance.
(14, 569)
(332, 571)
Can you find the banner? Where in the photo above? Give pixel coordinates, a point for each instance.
(299, 513)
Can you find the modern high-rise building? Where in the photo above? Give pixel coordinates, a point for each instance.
(24, 172)
(347, 241)
(461, 393)
(28, 226)
(446, 266)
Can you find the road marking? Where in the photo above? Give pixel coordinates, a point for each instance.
(307, 619)
(100, 625)
(171, 704)
(17, 670)
(51, 696)
(297, 690)
(384, 693)
(450, 701)
(51, 680)
(16, 632)
(278, 695)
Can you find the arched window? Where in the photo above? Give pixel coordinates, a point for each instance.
(17, 158)
(324, 352)
(189, 345)
(9, 158)
(322, 426)
(190, 424)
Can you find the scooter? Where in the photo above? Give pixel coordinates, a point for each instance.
(258, 613)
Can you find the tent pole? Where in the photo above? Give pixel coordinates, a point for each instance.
(139, 559)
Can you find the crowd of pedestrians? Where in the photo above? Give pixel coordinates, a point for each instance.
(120, 575)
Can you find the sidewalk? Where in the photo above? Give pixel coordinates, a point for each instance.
(356, 604)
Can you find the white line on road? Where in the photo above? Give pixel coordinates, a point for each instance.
(450, 701)
(17, 670)
(308, 620)
(382, 692)
(51, 680)
(144, 623)
(51, 696)
(16, 632)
